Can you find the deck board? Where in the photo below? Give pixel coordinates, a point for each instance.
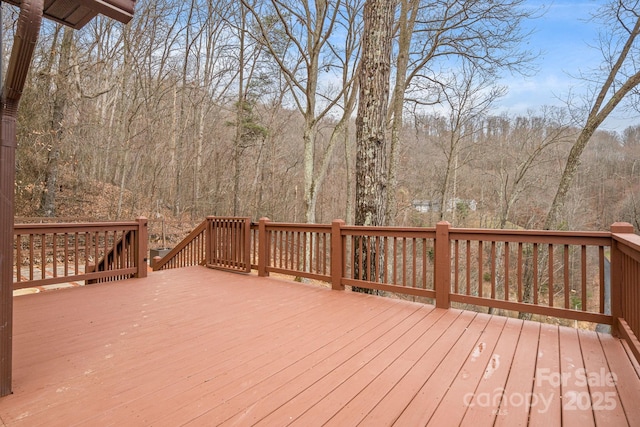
(576, 399)
(196, 346)
(494, 378)
(604, 391)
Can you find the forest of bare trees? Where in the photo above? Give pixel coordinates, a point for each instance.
(249, 108)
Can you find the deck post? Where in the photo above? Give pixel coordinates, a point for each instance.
(208, 238)
(263, 247)
(337, 255)
(617, 275)
(26, 37)
(246, 244)
(442, 264)
(142, 240)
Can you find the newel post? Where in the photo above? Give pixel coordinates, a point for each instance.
(337, 255)
(142, 246)
(442, 261)
(263, 247)
(208, 239)
(617, 275)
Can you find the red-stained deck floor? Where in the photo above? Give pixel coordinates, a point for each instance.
(201, 347)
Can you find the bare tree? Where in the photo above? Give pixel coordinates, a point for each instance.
(621, 54)
(60, 100)
(297, 35)
(467, 97)
(371, 138)
(485, 35)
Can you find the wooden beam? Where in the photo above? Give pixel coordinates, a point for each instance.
(24, 44)
(77, 13)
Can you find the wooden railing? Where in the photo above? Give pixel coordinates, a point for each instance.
(46, 254)
(301, 250)
(190, 251)
(217, 243)
(550, 273)
(229, 243)
(388, 259)
(120, 255)
(625, 285)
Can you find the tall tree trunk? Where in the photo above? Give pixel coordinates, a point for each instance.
(310, 196)
(60, 100)
(371, 139)
(240, 106)
(408, 12)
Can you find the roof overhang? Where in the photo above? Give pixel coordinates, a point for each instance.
(77, 13)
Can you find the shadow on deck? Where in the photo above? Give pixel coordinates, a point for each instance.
(202, 347)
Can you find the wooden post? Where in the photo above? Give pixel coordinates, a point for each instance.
(24, 43)
(337, 255)
(263, 247)
(617, 275)
(442, 265)
(208, 238)
(141, 245)
(7, 189)
(247, 244)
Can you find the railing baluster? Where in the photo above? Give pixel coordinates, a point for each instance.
(601, 277)
(535, 274)
(468, 266)
(18, 259)
(480, 265)
(567, 286)
(551, 271)
(493, 269)
(43, 255)
(54, 249)
(395, 260)
(520, 271)
(404, 261)
(583, 278)
(507, 266)
(66, 254)
(414, 255)
(456, 266)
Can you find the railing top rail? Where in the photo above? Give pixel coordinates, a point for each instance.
(599, 238)
(228, 218)
(298, 227)
(528, 232)
(629, 239)
(183, 244)
(389, 232)
(82, 226)
(387, 229)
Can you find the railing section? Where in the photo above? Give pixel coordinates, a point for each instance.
(302, 250)
(389, 259)
(625, 272)
(190, 251)
(47, 254)
(560, 274)
(229, 243)
(121, 255)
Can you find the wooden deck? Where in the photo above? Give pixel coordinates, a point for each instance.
(195, 346)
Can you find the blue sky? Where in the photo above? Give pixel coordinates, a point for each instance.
(563, 35)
